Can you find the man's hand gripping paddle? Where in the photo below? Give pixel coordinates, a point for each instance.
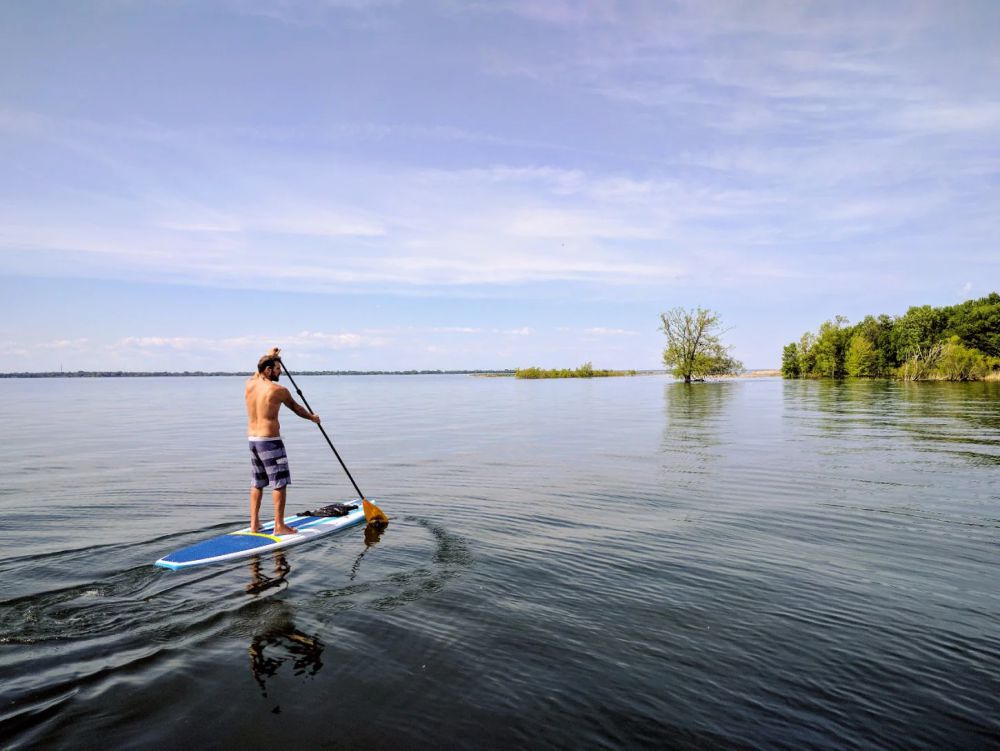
(373, 514)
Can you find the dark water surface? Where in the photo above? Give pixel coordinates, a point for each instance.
(615, 563)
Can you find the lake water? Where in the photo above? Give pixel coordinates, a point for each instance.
(610, 563)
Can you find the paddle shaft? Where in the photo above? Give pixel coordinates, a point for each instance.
(335, 452)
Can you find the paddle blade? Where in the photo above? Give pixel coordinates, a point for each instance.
(373, 514)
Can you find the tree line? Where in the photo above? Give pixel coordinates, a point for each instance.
(955, 343)
(584, 371)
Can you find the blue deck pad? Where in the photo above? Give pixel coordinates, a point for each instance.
(217, 546)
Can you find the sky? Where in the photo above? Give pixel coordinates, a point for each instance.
(379, 185)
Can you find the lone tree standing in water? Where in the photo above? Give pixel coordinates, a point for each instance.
(694, 349)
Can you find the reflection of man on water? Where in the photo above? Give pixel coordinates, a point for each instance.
(303, 650)
(259, 581)
(265, 650)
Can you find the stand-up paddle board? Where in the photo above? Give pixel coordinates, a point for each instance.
(243, 543)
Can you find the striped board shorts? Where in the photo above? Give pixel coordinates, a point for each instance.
(269, 463)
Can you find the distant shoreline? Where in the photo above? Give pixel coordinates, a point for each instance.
(213, 374)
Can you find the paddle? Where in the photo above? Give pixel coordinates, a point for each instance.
(372, 512)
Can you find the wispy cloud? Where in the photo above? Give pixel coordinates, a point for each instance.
(605, 331)
(571, 13)
(305, 12)
(615, 154)
(152, 349)
(948, 117)
(58, 344)
(304, 339)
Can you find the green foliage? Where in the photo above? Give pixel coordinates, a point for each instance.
(959, 363)
(920, 328)
(830, 349)
(584, 371)
(977, 324)
(790, 362)
(878, 331)
(960, 342)
(807, 355)
(921, 365)
(694, 348)
(862, 358)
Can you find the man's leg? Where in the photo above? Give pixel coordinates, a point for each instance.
(280, 528)
(255, 496)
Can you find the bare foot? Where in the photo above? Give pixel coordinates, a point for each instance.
(284, 529)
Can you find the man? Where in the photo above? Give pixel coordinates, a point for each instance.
(267, 451)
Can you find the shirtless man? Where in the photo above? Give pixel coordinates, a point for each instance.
(267, 451)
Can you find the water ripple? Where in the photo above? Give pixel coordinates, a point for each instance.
(617, 564)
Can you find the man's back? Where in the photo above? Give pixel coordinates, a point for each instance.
(264, 399)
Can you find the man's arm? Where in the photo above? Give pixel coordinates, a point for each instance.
(288, 401)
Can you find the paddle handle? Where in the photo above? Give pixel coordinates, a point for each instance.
(329, 442)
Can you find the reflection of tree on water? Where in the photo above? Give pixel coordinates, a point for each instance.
(893, 417)
(973, 403)
(280, 641)
(926, 409)
(959, 419)
(696, 425)
(848, 406)
(693, 412)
